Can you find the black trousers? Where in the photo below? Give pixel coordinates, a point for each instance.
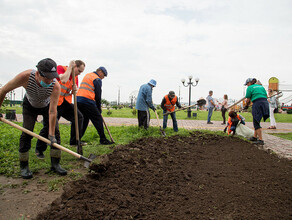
(143, 119)
(91, 112)
(223, 114)
(30, 115)
(66, 110)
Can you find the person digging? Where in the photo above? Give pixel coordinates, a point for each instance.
(41, 98)
(168, 105)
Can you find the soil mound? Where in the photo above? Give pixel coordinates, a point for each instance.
(202, 176)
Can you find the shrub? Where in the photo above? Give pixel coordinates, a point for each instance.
(109, 112)
(134, 111)
(289, 111)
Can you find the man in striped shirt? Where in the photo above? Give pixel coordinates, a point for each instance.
(41, 98)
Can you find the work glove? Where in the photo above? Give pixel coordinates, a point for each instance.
(242, 122)
(225, 129)
(245, 107)
(1, 116)
(52, 139)
(153, 108)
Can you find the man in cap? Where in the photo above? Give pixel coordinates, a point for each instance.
(144, 102)
(41, 98)
(168, 105)
(257, 94)
(89, 102)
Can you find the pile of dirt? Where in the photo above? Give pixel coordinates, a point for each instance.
(203, 176)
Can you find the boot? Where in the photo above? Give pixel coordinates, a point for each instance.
(23, 162)
(55, 166)
(55, 162)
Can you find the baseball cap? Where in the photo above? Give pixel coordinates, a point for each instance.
(171, 94)
(48, 68)
(248, 80)
(103, 70)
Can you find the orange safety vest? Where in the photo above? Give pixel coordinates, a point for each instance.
(86, 88)
(169, 105)
(66, 89)
(230, 123)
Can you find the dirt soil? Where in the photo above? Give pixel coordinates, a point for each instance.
(198, 177)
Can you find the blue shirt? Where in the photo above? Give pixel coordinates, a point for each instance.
(144, 99)
(209, 98)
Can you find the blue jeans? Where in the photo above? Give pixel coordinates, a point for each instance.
(210, 111)
(165, 117)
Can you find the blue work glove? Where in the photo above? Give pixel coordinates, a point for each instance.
(242, 122)
(153, 108)
(245, 107)
(52, 139)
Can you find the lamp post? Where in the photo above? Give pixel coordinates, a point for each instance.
(190, 84)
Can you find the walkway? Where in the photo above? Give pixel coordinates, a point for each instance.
(281, 147)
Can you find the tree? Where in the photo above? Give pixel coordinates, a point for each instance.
(105, 102)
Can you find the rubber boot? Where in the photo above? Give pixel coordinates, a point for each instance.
(55, 162)
(24, 170)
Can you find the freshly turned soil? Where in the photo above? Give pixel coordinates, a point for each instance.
(202, 176)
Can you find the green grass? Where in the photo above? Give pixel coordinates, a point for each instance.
(201, 115)
(287, 136)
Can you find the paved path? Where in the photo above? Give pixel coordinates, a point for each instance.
(280, 146)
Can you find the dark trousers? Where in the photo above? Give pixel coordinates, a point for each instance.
(224, 110)
(30, 115)
(143, 119)
(91, 112)
(66, 110)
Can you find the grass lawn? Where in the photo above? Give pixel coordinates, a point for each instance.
(287, 136)
(201, 115)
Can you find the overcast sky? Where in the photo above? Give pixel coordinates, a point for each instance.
(221, 42)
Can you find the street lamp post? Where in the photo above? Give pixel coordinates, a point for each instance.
(190, 84)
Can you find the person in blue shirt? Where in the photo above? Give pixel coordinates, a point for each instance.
(144, 102)
(211, 105)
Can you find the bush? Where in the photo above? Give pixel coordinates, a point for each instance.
(159, 113)
(289, 111)
(134, 111)
(109, 112)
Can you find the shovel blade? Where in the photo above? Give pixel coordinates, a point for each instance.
(91, 157)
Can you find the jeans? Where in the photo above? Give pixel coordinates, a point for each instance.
(210, 111)
(173, 116)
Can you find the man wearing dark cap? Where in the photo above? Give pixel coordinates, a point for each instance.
(168, 105)
(89, 102)
(41, 98)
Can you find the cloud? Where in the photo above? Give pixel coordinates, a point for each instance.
(221, 42)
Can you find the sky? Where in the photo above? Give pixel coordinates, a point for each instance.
(220, 42)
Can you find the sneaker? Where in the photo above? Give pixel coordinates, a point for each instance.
(209, 122)
(223, 123)
(106, 142)
(253, 139)
(259, 142)
(39, 154)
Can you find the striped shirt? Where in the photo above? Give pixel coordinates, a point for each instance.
(38, 97)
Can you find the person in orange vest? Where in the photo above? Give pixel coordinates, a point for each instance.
(89, 102)
(233, 121)
(65, 107)
(168, 105)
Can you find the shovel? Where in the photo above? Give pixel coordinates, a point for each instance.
(87, 160)
(161, 130)
(107, 130)
(79, 147)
